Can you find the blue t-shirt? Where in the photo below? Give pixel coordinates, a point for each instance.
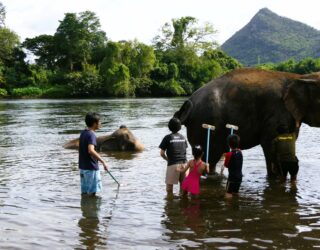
(86, 161)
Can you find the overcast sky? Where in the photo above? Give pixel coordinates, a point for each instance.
(141, 19)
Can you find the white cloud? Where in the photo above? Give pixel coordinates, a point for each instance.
(141, 19)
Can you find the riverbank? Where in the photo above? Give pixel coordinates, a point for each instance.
(35, 92)
(66, 92)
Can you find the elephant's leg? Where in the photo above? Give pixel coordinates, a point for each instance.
(215, 156)
(268, 157)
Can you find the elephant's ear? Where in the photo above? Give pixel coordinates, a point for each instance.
(297, 97)
(184, 111)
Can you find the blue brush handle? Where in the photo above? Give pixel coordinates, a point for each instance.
(208, 144)
(231, 134)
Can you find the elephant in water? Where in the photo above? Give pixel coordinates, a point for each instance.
(120, 140)
(255, 100)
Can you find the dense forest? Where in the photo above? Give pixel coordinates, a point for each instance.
(78, 60)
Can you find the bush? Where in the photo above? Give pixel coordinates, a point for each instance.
(27, 92)
(142, 86)
(167, 88)
(116, 80)
(187, 87)
(61, 91)
(84, 84)
(40, 76)
(3, 93)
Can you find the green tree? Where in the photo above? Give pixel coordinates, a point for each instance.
(76, 43)
(9, 41)
(287, 66)
(306, 66)
(115, 75)
(186, 32)
(141, 59)
(225, 61)
(2, 15)
(44, 48)
(116, 79)
(86, 83)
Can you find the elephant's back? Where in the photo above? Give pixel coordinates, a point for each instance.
(250, 78)
(246, 82)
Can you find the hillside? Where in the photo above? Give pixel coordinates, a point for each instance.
(272, 38)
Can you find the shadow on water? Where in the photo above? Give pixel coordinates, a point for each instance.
(89, 234)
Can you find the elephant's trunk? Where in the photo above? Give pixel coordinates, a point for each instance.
(184, 112)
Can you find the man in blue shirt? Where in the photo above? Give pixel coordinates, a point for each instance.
(88, 156)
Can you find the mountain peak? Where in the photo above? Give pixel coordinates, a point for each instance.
(269, 37)
(265, 11)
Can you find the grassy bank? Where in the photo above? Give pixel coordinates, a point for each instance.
(54, 92)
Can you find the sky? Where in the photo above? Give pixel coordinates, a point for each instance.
(142, 19)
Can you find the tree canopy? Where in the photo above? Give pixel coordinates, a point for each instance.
(79, 61)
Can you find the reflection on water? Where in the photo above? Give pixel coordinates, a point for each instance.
(120, 155)
(89, 222)
(41, 205)
(273, 220)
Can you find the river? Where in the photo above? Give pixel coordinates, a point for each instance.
(41, 206)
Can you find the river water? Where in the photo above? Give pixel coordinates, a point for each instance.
(41, 205)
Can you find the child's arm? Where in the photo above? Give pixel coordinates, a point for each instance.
(184, 169)
(222, 165)
(163, 154)
(205, 167)
(94, 153)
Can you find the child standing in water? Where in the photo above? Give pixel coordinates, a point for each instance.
(233, 161)
(88, 157)
(191, 184)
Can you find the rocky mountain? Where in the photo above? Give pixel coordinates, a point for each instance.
(269, 37)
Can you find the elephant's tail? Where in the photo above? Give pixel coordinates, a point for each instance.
(184, 112)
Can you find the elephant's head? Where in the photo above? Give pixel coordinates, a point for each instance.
(121, 140)
(302, 99)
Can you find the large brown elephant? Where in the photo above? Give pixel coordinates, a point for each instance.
(255, 100)
(120, 140)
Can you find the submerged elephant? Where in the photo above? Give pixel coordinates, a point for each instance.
(255, 100)
(120, 140)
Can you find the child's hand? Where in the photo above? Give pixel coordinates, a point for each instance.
(221, 170)
(180, 168)
(105, 166)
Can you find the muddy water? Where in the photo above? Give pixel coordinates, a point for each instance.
(41, 206)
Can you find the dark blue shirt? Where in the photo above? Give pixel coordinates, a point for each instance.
(86, 161)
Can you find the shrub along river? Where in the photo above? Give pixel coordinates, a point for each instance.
(41, 205)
